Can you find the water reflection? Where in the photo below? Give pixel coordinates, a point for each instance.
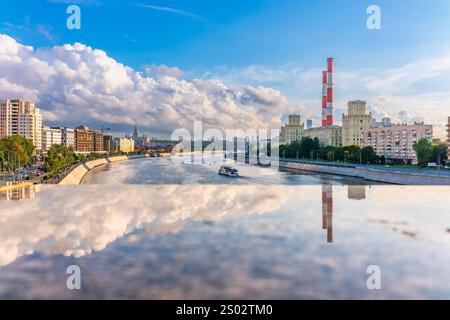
(327, 211)
(175, 241)
(67, 220)
(17, 194)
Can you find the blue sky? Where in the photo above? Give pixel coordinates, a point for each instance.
(257, 42)
(238, 33)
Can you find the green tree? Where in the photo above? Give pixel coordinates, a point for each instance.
(16, 151)
(423, 150)
(58, 158)
(308, 145)
(369, 155)
(439, 153)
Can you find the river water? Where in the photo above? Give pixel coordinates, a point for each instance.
(204, 171)
(136, 236)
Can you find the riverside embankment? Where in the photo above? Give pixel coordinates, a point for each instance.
(385, 175)
(76, 175)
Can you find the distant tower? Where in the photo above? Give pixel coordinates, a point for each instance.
(135, 133)
(309, 124)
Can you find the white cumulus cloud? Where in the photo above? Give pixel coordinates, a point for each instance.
(76, 83)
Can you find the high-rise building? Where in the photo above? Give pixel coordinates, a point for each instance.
(19, 117)
(68, 137)
(50, 136)
(309, 124)
(293, 130)
(355, 122)
(135, 133)
(396, 142)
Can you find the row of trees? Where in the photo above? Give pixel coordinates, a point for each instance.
(309, 148)
(16, 152)
(59, 158)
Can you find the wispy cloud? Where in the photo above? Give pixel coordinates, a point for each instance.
(28, 28)
(87, 2)
(173, 11)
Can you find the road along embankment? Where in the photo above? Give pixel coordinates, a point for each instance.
(378, 175)
(76, 175)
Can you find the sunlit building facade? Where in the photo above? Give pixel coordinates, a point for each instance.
(19, 117)
(328, 136)
(396, 142)
(293, 131)
(50, 136)
(354, 123)
(68, 137)
(126, 145)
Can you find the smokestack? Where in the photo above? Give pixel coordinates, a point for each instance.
(330, 93)
(324, 98)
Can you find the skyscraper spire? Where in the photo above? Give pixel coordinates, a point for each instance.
(135, 133)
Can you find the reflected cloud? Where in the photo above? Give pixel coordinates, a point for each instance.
(75, 221)
(260, 241)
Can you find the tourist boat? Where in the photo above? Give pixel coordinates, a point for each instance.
(228, 171)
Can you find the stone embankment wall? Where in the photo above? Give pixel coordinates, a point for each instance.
(76, 175)
(378, 175)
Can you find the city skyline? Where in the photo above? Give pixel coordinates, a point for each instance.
(404, 80)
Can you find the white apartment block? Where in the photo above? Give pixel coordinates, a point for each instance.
(19, 117)
(68, 137)
(50, 137)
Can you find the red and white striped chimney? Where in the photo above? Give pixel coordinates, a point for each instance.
(324, 98)
(330, 93)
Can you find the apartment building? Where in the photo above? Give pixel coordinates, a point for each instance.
(68, 137)
(50, 136)
(396, 141)
(87, 141)
(19, 117)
